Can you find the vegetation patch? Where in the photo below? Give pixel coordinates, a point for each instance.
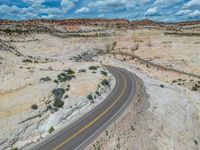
(66, 96)
(51, 130)
(104, 73)
(58, 103)
(67, 75)
(82, 70)
(93, 67)
(56, 81)
(162, 86)
(58, 92)
(70, 71)
(105, 82)
(46, 79)
(34, 107)
(97, 93)
(90, 97)
(27, 61)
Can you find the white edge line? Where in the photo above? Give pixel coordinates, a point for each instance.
(105, 124)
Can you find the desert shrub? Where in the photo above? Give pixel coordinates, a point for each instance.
(58, 103)
(27, 61)
(132, 128)
(46, 79)
(49, 107)
(66, 96)
(63, 77)
(105, 82)
(93, 71)
(56, 81)
(34, 107)
(93, 68)
(90, 97)
(76, 58)
(82, 70)
(195, 142)
(14, 148)
(58, 92)
(107, 133)
(194, 88)
(104, 73)
(97, 93)
(51, 130)
(35, 61)
(70, 71)
(174, 81)
(162, 86)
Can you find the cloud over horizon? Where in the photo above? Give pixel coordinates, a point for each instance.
(158, 10)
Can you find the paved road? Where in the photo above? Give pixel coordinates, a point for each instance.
(82, 132)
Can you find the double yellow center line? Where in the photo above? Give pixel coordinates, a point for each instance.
(96, 119)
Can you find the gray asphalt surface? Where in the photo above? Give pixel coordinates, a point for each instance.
(84, 131)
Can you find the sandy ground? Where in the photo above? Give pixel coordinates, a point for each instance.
(22, 86)
(168, 118)
(162, 118)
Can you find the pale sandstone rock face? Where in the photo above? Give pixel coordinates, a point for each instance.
(167, 119)
(23, 84)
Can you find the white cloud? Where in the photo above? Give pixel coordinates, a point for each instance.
(166, 2)
(196, 13)
(66, 5)
(82, 10)
(117, 4)
(105, 6)
(34, 3)
(131, 4)
(183, 12)
(108, 3)
(9, 9)
(192, 4)
(151, 11)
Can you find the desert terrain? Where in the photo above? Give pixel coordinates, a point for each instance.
(53, 72)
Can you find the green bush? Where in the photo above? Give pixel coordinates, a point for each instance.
(49, 107)
(58, 103)
(66, 96)
(70, 71)
(46, 79)
(27, 61)
(194, 88)
(14, 148)
(58, 92)
(105, 82)
(90, 97)
(82, 70)
(34, 107)
(162, 86)
(63, 77)
(104, 73)
(97, 93)
(56, 81)
(93, 68)
(51, 130)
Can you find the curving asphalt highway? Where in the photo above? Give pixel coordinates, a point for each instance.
(84, 131)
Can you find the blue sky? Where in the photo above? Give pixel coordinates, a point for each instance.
(159, 10)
